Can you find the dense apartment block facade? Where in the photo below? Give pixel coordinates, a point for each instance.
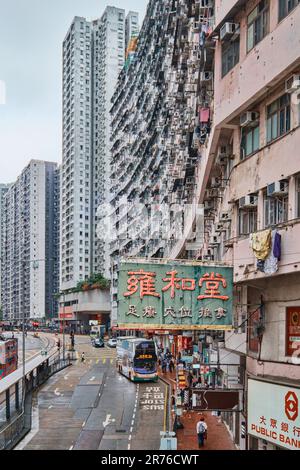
(155, 130)
(3, 190)
(93, 56)
(30, 251)
(208, 112)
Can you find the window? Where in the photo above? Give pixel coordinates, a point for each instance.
(298, 195)
(276, 210)
(278, 117)
(285, 6)
(230, 55)
(249, 141)
(258, 24)
(247, 221)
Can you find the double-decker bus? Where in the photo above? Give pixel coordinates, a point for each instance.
(137, 359)
(8, 357)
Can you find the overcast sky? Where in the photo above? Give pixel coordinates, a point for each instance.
(31, 35)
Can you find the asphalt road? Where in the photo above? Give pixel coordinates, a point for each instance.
(89, 406)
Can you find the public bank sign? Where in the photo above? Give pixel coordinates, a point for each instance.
(174, 295)
(274, 413)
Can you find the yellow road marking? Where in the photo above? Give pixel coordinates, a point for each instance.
(104, 361)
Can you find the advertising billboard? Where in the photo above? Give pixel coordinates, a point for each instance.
(274, 414)
(174, 295)
(293, 331)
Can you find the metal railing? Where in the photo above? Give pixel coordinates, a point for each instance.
(17, 428)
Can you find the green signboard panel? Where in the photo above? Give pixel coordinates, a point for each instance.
(174, 295)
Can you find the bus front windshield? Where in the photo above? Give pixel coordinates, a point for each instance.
(145, 359)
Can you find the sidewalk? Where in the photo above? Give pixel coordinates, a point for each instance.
(218, 436)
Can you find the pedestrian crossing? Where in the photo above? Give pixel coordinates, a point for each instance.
(102, 357)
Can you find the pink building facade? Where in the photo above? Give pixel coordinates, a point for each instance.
(249, 184)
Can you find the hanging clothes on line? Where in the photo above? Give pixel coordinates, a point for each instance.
(261, 244)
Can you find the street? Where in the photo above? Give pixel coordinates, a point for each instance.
(90, 406)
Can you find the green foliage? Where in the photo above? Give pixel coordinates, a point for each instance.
(95, 281)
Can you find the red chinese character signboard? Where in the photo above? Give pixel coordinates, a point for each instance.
(154, 295)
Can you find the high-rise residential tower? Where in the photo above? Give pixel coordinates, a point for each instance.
(30, 244)
(93, 56)
(3, 190)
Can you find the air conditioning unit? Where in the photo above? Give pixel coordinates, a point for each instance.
(220, 228)
(280, 188)
(248, 202)
(228, 29)
(215, 182)
(206, 4)
(208, 205)
(225, 217)
(249, 119)
(206, 76)
(214, 240)
(292, 84)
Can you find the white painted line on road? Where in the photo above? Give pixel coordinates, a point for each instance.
(128, 446)
(71, 448)
(83, 424)
(92, 379)
(56, 392)
(131, 429)
(49, 407)
(129, 438)
(132, 422)
(134, 416)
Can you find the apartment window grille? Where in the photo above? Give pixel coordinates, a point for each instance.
(249, 141)
(247, 221)
(298, 195)
(286, 6)
(276, 210)
(279, 117)
(258, 24)
(230, 55)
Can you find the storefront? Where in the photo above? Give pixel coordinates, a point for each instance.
(273, 416)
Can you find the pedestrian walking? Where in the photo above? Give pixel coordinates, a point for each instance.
(171, 366)
(82, 357)
(201, 432)
(190, 379)
(164, 366)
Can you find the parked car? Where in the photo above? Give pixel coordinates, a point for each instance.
(112, 343)
(98, 343)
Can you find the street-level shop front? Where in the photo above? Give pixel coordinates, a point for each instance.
(273, 415)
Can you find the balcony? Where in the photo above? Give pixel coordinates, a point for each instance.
(244, 260)
(271, 60)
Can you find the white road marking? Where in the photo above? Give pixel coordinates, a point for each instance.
(92, 379)
(128, 447)
(57, 393)
(130, 437)
(132, 422)
(71, 448)
(108, 421)
(83, 424)
(131, 429)
(49, 407)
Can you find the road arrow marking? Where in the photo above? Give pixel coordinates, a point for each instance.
(108, 421)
